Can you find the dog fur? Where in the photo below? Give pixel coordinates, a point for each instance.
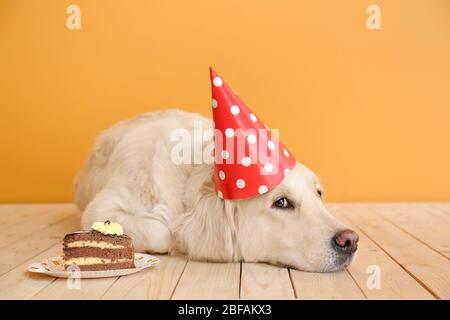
(166, 207)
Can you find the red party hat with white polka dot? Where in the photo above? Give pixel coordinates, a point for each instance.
(249, 159)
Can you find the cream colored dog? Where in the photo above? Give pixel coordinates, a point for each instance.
(130, 178)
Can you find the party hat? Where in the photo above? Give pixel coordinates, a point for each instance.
(249, 159)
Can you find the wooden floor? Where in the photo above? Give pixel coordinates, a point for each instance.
(408, 243)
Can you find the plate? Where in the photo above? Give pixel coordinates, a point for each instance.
(54, 267)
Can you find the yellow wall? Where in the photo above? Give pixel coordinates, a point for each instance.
(369, 111)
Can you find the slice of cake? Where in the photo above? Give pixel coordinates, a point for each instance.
(105, 247)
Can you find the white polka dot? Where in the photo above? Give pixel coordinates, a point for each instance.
(229, 132)
(286, 171)
(262, 189)
(286, 153)
(235, 110)
(214, 103)
(220, 194)
(221, 175)
(268, 167)
(225, 154)
(217, 81)
(253, 117)
(251, 138)
(246, 161)
(271, 145)
(240, 183)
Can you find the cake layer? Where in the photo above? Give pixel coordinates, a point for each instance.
(93, 250)
(103, 266)
(94, 260)
(112, 254)
(98, 237)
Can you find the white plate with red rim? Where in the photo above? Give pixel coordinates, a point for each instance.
(54, 267)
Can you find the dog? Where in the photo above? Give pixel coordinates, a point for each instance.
(166, 207)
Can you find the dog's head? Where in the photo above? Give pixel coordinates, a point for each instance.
(290, 225)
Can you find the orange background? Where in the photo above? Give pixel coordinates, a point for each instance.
(369, 111)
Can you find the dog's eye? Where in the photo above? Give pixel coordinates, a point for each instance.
(320, 193)
(282, 203)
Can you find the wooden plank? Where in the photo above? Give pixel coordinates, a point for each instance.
(20, 284)
(152, 283)
(336, 285)
(33, 244)
(214, 281)
(396, 283)
(64, 289)
(13, 209)
(263, 281)
(382, 243)
(13, 213)
(42, 218)
(426, 265)
(443, 207)
(423, 223)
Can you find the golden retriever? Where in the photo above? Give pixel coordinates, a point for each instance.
(131, 178)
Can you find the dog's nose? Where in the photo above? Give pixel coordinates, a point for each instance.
(346, 241)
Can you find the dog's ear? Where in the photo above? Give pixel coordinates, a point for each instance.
(207, 229)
